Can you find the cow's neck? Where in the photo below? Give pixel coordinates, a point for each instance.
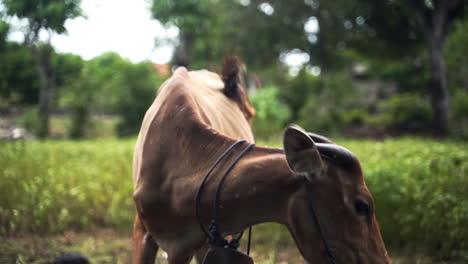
(257, 190)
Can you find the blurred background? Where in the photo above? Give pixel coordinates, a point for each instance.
(386, 78)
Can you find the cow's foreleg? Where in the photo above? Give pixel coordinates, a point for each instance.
(144, 246)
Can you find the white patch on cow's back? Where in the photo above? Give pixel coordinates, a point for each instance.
(223, 114)
(208, 79)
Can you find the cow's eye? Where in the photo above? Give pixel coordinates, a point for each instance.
(362, 208)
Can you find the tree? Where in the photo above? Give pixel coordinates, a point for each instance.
(4, 29)
(380, 32)
(387, 31)
(211, 29)
(111, 84)
(48, 15)
(435, 19)
(188, 16)
(395, 29)
(18, 77)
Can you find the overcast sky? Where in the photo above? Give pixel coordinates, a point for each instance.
(123, 26)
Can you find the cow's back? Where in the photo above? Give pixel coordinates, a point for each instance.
(189, 106)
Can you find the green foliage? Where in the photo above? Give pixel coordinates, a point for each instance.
(68, 69)
(109, 84)
(271, 115)
(296, 92)
(78, 94)
(29, 119)
(50, 14)
(329, 99)
(19, 81)
(103, 73)
(419, 187)
(355, 117)
(408, 112)
(56, 186)
(4, 30)
(457, 69)
(460, 114)
(138, 86)
(457, 61)
(80, 120)
(206, 36)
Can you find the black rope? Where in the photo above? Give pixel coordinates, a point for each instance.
(328, 250)
(217, 238)
(249, 240)
(213, 234)
(220, 184)
(202, 185)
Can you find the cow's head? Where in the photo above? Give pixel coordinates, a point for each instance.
(341, 200)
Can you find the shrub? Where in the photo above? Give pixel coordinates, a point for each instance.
(294, 93)
(80, 120)
(355, 117)
(136, 91)
(327, 103)
(79, 99)
(29, 119)
(460, 114)
(271, 115)
(420, 192)
(406, 112)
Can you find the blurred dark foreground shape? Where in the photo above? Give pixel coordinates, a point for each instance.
(217, 255)
(72, 258)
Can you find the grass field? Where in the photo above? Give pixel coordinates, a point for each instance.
(63, 196)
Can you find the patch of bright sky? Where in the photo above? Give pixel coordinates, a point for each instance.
(295, 59)
(244, 2)
(122, 26)
(266, 8)
(311, 27)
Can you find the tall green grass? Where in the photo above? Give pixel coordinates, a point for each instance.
(421, 192)
(53, 186)
(420, 188)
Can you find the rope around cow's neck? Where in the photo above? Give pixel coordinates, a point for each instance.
(213, 235)
(217, 239)
(329, 251)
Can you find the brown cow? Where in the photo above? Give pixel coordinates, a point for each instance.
(196, 116)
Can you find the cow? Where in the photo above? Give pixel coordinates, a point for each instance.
(195, 117)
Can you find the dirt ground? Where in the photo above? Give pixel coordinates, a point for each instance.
(105, 246)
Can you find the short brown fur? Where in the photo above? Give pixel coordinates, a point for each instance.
(182, 135)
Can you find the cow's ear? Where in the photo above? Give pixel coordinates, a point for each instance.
(301, 153)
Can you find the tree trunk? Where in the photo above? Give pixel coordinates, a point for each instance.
(435, 23)
(183, 52)
(437, 34)
(41, 56)
(439, 91)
